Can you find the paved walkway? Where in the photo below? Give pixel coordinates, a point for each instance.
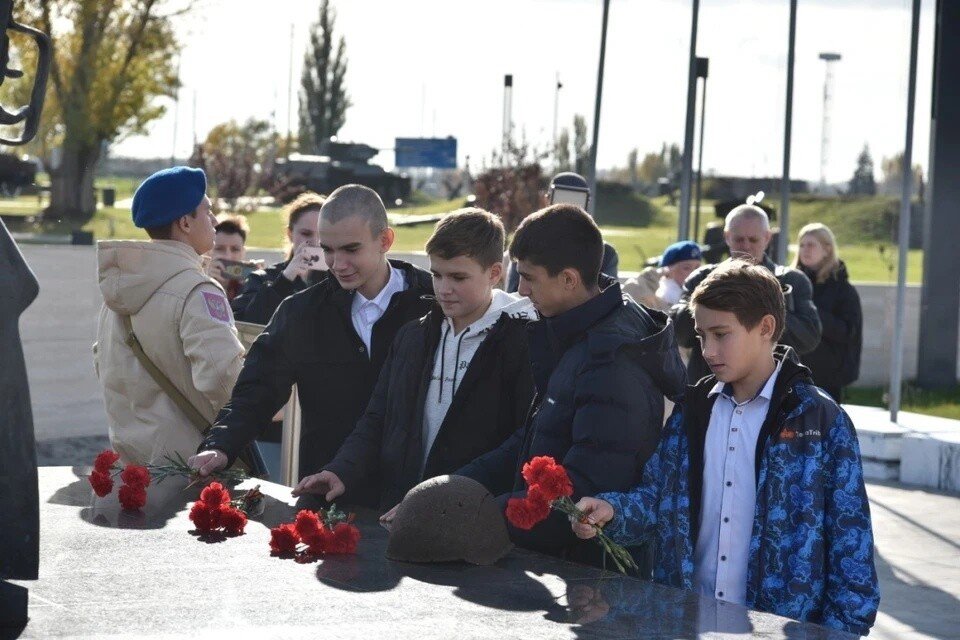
(917, 531)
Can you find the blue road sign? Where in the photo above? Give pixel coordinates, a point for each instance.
(439, 153)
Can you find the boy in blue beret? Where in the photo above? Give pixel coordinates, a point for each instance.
(660, 287)
(179, 315)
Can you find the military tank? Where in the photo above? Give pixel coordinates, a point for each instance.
(341, 163)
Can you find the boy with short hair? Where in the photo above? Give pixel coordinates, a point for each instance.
(601, 365)
(457, 382)
(330, 339)
(755, 494)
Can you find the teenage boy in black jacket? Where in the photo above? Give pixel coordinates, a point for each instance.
(457, 381)
(602, 365)
(331, 340)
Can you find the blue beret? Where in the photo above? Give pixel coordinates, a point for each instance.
(680, 251)
(168, 195)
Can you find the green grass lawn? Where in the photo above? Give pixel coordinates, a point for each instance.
(865, 261)
(944, 403)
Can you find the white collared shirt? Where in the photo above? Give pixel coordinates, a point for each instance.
(729, 492)
(365, 313)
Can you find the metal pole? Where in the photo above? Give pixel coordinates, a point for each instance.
(703, 119)
(176, 116)
(784, 238)
(289, 94)
(556, 113)
(906, 193)
(507, 117)
(596, 109)
(683, 219)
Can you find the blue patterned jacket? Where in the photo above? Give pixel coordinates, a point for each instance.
(811, 552)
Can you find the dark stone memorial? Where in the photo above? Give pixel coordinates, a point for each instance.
(19, 511)
(130, 574)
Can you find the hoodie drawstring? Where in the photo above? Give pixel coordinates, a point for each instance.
(456, 364)
(443, 360)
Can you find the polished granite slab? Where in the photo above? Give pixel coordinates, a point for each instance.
(106, 572)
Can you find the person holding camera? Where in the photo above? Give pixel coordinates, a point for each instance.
(265, 289)
(228, 264)
(747, 232)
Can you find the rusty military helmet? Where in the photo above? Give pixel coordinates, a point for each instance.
(446, 519)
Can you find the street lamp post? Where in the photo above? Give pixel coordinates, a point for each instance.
(596, 109)
(784, 237)
(703, 68)
(683, 219)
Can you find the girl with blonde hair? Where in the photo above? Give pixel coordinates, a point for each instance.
(835, 362)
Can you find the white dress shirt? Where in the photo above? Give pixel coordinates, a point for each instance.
(729, 492)
(365, 313)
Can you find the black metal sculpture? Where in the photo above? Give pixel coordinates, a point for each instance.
(29, 114)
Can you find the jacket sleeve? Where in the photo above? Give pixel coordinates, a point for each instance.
(211, 344)
(263, 387)
(635, 513)
(852, 590)
(495, 469)
(803, 321)
(261, 295)
(359, 453)
(845, 323)
(615, 430)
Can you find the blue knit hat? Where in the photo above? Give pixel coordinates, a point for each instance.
(680, 251)
(168, 195)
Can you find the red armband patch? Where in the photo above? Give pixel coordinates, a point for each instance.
(216, 306)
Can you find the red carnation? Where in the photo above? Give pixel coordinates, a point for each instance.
(233, 520)
(318, 541)
(105, 461)
(344, 539)
(135, 476)
(551, 477)
(101, 482)
(284, 539)
(307, 524)
(214, 494)
(525, 513)
(132, 497)
(205, 517)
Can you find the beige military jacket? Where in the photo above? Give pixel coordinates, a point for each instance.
(185, 325)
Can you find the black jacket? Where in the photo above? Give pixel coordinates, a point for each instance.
(311, 342)
(262, 293)
(601, 372)
(490, 403)
(803, 323)
(835, 362)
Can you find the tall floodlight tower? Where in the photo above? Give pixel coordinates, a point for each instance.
(829, 59)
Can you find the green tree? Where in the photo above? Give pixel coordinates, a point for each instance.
(893, 176)
(581, 148)
(862, 183)
(323, 94)
(111, 60)
(235, 155)
(562, 152)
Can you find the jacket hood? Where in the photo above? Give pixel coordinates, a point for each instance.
(510, 304)
(130, 272)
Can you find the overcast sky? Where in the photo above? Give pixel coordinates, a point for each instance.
(435, 67)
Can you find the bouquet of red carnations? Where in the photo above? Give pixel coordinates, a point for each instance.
(136, 478)
(315, 533)
(549, 487)
(216, 513)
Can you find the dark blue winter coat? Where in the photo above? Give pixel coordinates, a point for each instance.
(601, 371)
(811, 552)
